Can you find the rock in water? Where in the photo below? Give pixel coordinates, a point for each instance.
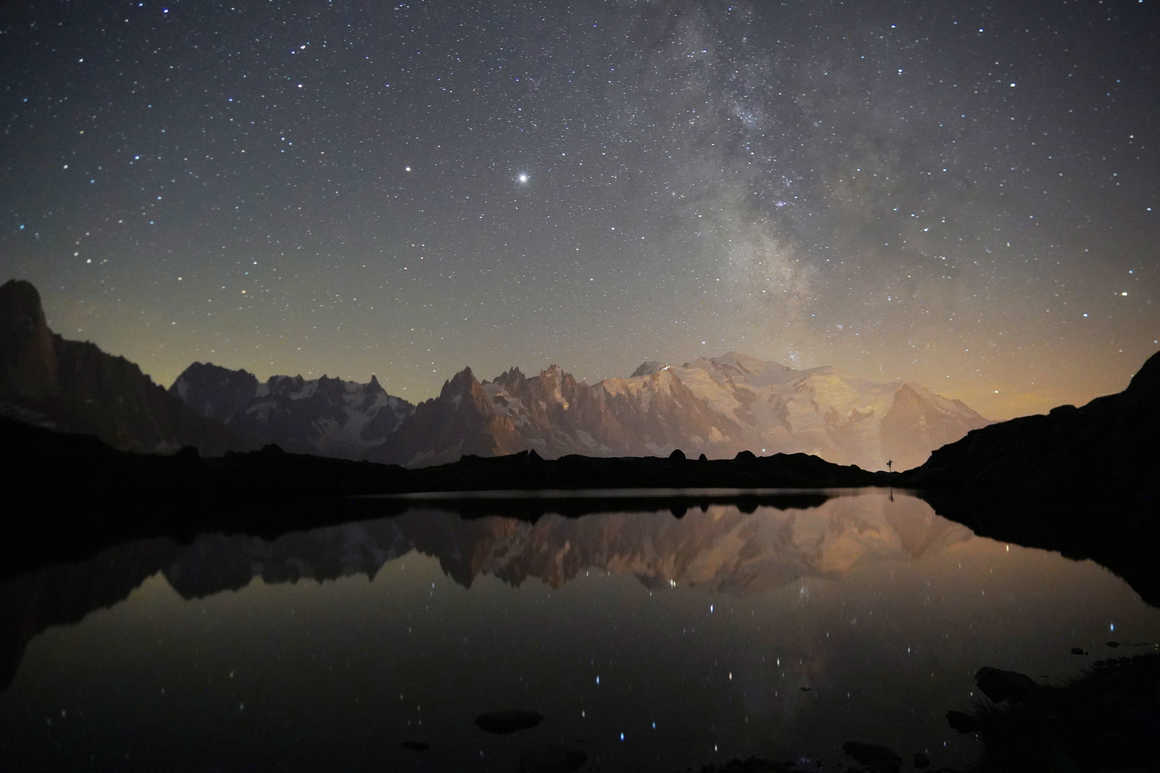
(552, 759)
(874, 757)
(509, 721)
(961, 721)
(1000, 685)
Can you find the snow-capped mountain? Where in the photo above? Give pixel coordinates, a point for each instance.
(325, 416)
(717, 406)
(823, 411)
(554, 414)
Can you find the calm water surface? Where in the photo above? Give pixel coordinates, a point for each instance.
(645, 641)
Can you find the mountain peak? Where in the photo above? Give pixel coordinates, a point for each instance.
(741, 360)
(910, 389)
(19, 300)
(459, 383)
(512, 375)
(199, 368)
(646, 368)
(28, 358)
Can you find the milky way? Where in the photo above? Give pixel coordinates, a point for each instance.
(940, 192)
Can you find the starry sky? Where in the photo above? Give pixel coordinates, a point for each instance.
(959, 194)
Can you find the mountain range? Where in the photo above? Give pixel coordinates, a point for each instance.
(717, 406)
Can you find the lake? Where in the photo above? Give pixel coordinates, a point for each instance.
(645, 641)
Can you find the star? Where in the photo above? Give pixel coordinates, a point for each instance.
(715, 183)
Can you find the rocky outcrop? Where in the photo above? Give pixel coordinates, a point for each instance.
(74, 386)
(28, 364)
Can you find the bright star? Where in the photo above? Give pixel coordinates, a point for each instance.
(522, 178)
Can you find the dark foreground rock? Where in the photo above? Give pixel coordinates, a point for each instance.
(1108, 719)
(962, 722)
(1000, 685)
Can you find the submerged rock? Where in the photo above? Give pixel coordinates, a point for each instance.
(760, 765)
(878, 759)
(962, 721)
(552, 759)
(509, 721)
(1104, 720)
(1000, 685)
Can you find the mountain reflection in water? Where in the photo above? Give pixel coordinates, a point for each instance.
(720, 634)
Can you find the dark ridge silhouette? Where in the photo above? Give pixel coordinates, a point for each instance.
(1105, 451)
(1079, 480)
(111, 496)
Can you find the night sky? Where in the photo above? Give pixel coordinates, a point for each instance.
(957, 194)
